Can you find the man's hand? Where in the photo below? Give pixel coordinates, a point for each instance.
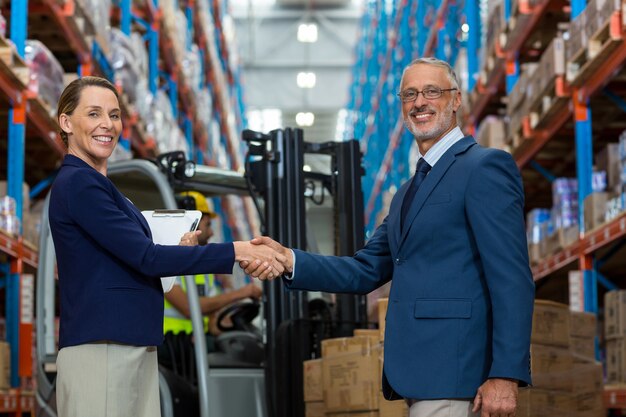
(269, 262)
(497, 397)
(190, 238)
(256, 269)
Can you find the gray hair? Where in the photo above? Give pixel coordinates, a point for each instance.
(435, 63)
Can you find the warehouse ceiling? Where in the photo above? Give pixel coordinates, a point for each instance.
(272, 57)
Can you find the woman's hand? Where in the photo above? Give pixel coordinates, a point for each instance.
(190, 238)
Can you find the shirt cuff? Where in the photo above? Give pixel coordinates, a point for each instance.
(290, 275)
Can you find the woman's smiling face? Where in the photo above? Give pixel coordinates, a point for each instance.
(94, 127)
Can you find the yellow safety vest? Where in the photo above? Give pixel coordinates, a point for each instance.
(174, 321)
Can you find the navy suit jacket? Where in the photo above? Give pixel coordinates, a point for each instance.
(461, 300)
(108, 267)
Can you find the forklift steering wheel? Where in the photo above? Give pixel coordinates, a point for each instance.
(241, 315)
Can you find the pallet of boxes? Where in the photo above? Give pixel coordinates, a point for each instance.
(615, 336)
(567, 381)
(346, 381)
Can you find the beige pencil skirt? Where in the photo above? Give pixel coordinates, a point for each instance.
(108, 380)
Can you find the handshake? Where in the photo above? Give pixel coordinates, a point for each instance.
(263, 258)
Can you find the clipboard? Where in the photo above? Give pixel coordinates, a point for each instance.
(167, 227)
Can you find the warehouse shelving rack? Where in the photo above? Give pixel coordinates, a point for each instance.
(594, 247)
(34, 147)
(389, 40)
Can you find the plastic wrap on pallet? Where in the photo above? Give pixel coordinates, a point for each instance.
(192, 68)
(46, 74)
(162, 126)
(126, 63)
(537, 224)
(98, 12)
(204, 103)
(175, 24)
(120, 153)
(565, 202)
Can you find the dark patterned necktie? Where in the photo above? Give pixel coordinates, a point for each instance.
(420, 173)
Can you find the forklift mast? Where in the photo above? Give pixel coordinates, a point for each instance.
(274, 171)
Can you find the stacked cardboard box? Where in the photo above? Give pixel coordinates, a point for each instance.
(518, 103)
(492, 133)
(351, 374)
(542, 88)
(346, 381)
(615, 334)
(5, 365)
(566, 379)
(313, 388)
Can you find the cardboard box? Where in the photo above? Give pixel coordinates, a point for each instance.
(582, 324)
(523, 400)
(492, 133)
(595, 210)
(607, 160)
(587, 378)
(312, 376)
(357, 414)
(397, 408)
(551, 324)
(373, 334)
(576, 287)
(314, 409)
(551, 367)
(544, 403)
(568, 236)
(615, 314)
(382, 316)
(583, 348)
(5, 365)
(615, 361)
(351, 374)
(588, 404)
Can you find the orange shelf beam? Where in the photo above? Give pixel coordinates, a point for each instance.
(63, 15)
(534, 14)
(555, 262)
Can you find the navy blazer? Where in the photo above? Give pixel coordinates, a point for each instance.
(462, 293)
(109, 269)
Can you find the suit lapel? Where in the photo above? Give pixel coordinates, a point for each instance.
(431, 181)
(394, 221)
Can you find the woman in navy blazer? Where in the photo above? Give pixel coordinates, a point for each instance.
(109, 268)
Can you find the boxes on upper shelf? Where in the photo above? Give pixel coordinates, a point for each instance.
(492, 133)
(595, 210)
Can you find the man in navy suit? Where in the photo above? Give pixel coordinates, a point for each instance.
(454, 245)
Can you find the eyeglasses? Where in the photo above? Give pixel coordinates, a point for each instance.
(429, 93)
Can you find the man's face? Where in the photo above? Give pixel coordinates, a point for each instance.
(205, 227)
(429, 119)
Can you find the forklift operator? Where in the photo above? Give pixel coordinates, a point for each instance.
(212, 299)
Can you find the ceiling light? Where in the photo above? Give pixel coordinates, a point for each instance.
(305, 119)
(306, 79)
(307, 33)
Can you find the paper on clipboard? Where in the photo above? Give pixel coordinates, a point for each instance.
(167, 227)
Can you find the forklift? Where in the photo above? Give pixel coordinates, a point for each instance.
(292, 326)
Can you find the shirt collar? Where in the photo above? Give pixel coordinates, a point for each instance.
(441, 146)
